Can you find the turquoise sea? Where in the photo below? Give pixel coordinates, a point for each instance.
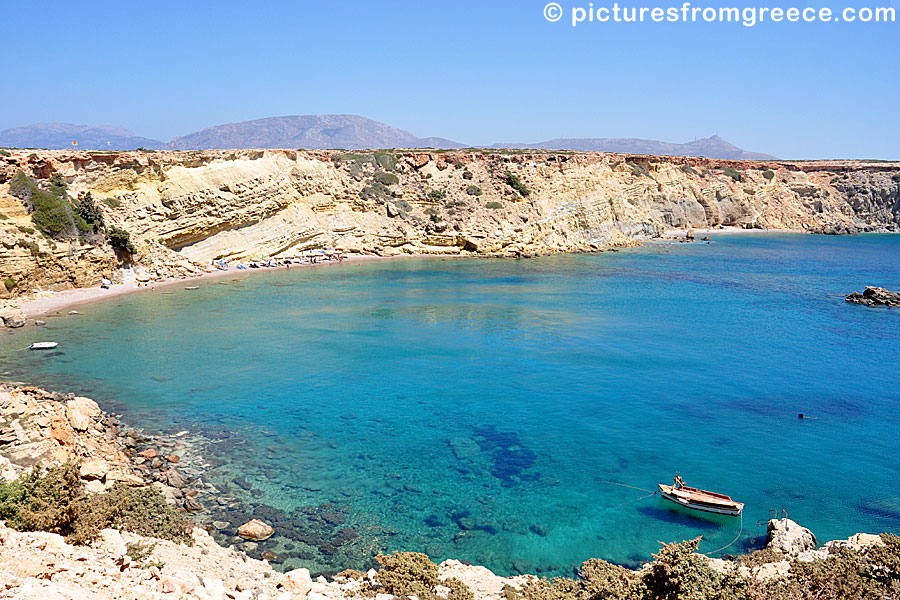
(485, 409)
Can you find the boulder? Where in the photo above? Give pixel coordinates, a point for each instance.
(255, 530)
(875, 296)
(175, 479)
(191, 504)
(95, 468)
(788, 537)
(13, 318)
(148, 453)
(297, 581)
(167, 492)
(81, 411)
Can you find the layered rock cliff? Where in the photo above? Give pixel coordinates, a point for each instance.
(184, 209)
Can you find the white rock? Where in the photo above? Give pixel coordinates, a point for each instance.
(95, 487)
(215, 589)
(81, 411)
(111, 541)
(94, 468)
(297, 581)
(785, 535)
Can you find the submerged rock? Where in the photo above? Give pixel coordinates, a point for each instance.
(255, 530)
(875, 296)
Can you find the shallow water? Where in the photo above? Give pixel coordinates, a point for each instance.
(479, 409)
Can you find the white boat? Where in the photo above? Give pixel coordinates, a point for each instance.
(43, 346)
(691, 497)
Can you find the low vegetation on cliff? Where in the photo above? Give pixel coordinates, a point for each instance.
(54, 500)
(680, 573)
(57, 216)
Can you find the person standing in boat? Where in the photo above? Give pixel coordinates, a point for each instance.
(679, 482)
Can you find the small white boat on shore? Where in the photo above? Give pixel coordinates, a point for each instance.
(43, 346)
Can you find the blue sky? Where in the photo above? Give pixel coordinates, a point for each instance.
(477, 72)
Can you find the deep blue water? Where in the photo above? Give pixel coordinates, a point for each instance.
(476, 409)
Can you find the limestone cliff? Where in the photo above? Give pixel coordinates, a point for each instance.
(185, 209)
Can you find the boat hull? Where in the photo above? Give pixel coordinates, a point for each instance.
(711, 505)
(43, 346)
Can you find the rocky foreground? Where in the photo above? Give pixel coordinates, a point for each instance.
(44, 428)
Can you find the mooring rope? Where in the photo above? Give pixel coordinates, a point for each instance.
(732, 541)
(640, 489)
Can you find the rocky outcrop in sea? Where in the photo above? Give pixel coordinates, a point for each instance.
(875, 296)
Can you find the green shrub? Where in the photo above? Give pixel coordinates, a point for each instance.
(403, 205)
(387, 178)
(42, 500)
(386, 160)
(57, 185)
(515, 183)
(454, 203)
(679, 572)
(25, 229)
(50, 211)
(3, 217)
(467, 175)
(769, 174)
(493, 205)
(437, 195)
(139, 510)
(112, 202)
(733, 173)
(689, 170)
(54, 500)
(638, 169)
(473, 190)
(597, 580)
(376, 191)
(350, 574)
(406, 574)
(9, 283)
(89, 213)
(139, 552)
(120, 239)
(4, 152)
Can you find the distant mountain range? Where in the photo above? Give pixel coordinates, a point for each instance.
(712, 147)
(61, 135)
(330, 131)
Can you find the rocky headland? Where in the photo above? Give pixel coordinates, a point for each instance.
(183, 210)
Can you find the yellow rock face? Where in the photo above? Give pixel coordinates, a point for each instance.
(185, 209)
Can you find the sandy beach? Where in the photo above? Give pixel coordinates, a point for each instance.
(679, 233)
(50, 302)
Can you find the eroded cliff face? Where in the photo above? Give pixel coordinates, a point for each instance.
(184, 209)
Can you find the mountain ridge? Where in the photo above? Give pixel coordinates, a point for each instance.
(318, 132)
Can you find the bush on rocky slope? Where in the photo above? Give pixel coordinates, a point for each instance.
(405, 574)
(54, 500)
(679, 573)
